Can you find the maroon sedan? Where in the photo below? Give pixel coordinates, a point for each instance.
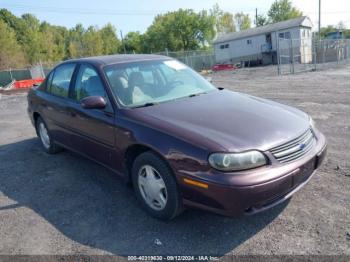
(180, 141)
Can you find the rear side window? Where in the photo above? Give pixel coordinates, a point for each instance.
(61, 78)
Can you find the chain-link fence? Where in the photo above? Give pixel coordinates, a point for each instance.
(31, 72)
(293, 55)
(8, 76)
(198, 60)
(298, 55)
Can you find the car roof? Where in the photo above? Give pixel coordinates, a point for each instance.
(115, 59)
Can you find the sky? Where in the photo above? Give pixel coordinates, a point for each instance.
(137, 15)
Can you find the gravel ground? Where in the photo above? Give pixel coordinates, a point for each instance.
(65, 204)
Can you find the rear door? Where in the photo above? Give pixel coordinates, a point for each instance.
(54, 102)
(93, 128)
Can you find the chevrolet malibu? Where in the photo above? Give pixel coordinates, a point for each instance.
(180, 141)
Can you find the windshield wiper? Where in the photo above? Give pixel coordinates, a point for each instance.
(156, 103)
(147, 104)
(197, 94)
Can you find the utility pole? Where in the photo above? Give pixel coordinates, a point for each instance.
(319, 19)
(123, 43)
(256, 17)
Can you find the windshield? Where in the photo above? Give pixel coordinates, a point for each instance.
(151, 82)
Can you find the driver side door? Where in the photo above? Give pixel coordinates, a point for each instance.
(93, 128)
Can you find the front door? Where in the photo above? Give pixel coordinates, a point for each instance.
(93, 128)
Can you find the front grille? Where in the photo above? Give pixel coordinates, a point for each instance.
(294, 149)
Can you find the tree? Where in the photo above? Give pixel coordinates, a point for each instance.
(60, 38)
(32, 38)
(74, 42)
(11, 54)
(179, 30)
(242, 21)
(40, 41)
(92, 42)
(206, 32)
(52, 42)
(110, 41)
(261, 20)
(14, 22)
(223, 21)
(282, 10)
(226, 23)
(133, 42)
(191, 28)
(157, 37)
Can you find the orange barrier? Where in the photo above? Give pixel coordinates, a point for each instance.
(27, 83)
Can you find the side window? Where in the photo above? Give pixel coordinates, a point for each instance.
(61, 77)
(89, 83)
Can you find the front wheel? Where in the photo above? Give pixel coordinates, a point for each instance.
(45, 137)
(155, 186)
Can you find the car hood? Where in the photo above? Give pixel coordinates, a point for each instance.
(227, 121)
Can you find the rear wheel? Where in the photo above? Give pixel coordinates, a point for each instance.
(45, 137)
(155, 186)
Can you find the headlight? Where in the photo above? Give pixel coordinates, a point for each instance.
(237, 161)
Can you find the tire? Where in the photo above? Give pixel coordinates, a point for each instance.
(46, 140)
(151, 185)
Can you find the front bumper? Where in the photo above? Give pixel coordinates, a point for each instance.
(270, 186)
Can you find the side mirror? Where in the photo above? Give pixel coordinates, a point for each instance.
(93, 102)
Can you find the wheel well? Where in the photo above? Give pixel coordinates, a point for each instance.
(132, 153)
